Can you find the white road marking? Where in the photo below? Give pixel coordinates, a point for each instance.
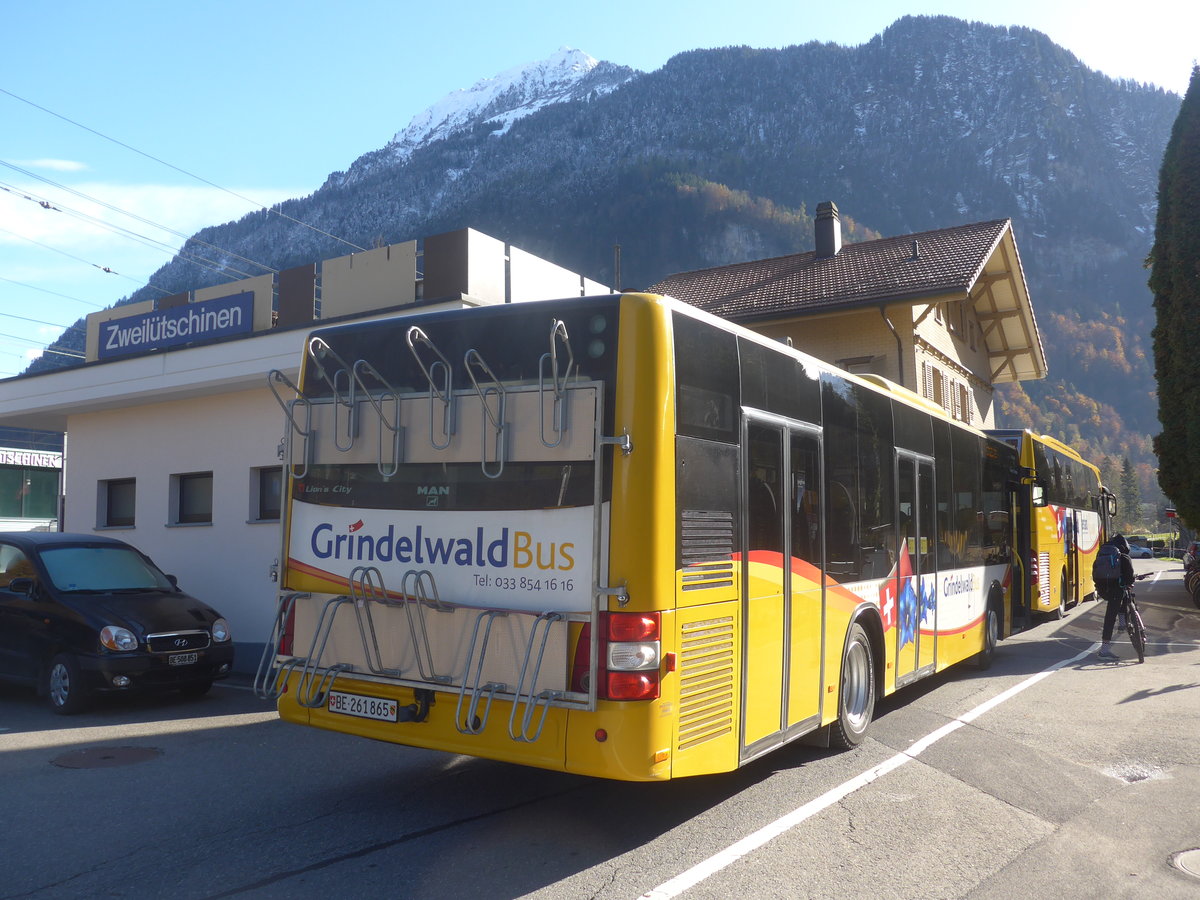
(752, 842)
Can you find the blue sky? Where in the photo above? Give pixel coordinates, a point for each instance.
(267, 97)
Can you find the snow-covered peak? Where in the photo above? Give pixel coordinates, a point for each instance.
(506, 97)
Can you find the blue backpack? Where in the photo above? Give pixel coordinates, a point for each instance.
(1107, 566)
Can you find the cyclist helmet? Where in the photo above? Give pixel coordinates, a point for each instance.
(1120, 543)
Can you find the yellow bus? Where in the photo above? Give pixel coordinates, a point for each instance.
(619, 537)
(1061, 520)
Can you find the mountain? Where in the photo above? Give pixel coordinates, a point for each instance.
(718, 156)
(567, 76)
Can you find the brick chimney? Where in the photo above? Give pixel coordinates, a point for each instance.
(829, 230)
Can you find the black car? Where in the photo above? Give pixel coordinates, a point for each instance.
(81, 614)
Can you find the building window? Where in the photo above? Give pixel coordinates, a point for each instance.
(266, 494)
(955, 317)
(192, 498)
(859, 365)
(117, 498)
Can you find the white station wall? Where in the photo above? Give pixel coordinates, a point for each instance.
(226, 564)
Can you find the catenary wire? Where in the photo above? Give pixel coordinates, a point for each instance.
(184, 171)
(120, 231)
(34, 287)
(106, 269)
(186, 238)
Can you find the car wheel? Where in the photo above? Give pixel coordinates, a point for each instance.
(196, 688)
(64, 685)
(856, 699)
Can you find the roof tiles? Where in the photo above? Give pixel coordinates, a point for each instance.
(947, 260)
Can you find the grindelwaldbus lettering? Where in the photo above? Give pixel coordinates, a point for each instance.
(526, 553)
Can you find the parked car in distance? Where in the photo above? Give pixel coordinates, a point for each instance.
(1136, 551)
(1191, 556)
(83, 614)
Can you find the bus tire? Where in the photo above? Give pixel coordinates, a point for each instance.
(991, 636)
(856, 695)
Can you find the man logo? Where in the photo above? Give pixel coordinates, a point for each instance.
(433, 494)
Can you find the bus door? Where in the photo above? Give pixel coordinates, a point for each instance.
(1071, 547)
(914, 591)
(783, 599)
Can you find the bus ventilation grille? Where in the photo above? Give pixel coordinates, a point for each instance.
(705, 681)
(706, 549)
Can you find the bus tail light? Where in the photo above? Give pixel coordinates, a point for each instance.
(630, 654)
(288, 639)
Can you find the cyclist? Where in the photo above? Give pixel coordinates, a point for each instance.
(1113, 573)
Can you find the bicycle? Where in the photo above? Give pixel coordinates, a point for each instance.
(1131, 622)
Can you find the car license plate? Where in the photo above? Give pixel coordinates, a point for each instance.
(363, 707)
(183, 659)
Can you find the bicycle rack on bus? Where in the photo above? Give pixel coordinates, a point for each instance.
(313, 688)
(527, 697)
(271, 676)
(275, 377)
(319, 351)
(474, 723)
(495, 389)
(366, 587)
(558, 416)
(416, 601)
(443, 392)
(389, 393)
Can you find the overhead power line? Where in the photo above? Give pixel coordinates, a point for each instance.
(34, 287)
(143, 239)
(184, 172)
(26, 340)
(40, 322)
(106, 269)
(189, 256)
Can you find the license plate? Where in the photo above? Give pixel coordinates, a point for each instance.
(363, 707)
(183, 659)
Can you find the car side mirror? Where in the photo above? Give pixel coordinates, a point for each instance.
(174, 581)
(21, 585)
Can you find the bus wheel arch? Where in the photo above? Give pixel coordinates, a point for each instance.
(859, 686)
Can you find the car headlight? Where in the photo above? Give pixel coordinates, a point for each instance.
(115, 637)
(220, 631)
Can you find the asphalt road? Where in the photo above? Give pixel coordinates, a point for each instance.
(1052, 774)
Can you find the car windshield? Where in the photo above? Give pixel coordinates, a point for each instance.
(102, 569)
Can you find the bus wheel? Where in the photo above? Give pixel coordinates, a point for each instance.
(991, 636)
(1062, 597)
(856, 698)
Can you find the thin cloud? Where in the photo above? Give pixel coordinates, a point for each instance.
(54, 165)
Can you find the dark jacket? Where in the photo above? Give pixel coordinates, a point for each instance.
(1127, 577)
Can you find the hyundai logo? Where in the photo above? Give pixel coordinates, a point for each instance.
(181, 642)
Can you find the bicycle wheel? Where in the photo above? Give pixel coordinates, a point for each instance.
(1137, 633)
